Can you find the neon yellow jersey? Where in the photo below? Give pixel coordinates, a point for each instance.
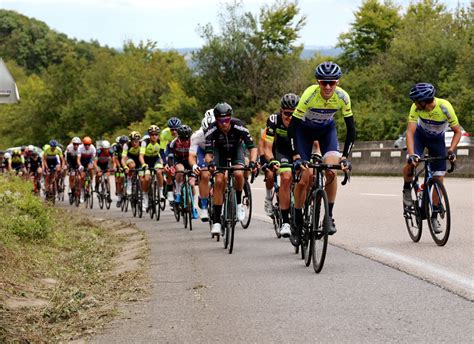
(317, 112)
(150, 149)
(165, 137)
(130, 152)
(434, 122)
(48, 153)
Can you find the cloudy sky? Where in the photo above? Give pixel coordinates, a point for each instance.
(172, 24)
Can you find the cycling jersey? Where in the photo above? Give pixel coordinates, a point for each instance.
(436, 121)
(277, 134)
(132, 153)
(150, 149)
(198, 147)
(86, 155)
(33, 164)
(179, 150)
(51, 157)
(165, 137)
(104, 156)
(71, 156)
(317, 112)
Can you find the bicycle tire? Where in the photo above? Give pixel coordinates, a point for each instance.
(320, 230)
(177, 214)
(225, 237)
(184, 197)
(247, 202)
(434, 185)
(108, 198)
(189, 206)
(139, 198)
(100, 194)
(151, 200)
(277, 220)
(232, 220)
(413, 220)
(307, 230)
(157, 197)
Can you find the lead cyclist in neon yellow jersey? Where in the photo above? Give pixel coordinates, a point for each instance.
(428, 121)
(168, 135)
(313, 120)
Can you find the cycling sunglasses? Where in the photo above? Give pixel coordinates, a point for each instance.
(223, 120)
(327, 82)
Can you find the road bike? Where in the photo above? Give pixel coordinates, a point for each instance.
(247, 203)
(155, 202)
(87, 190)
(316, 220)
(103, 190)
(186, 206)
(136, 198)
(429, 201)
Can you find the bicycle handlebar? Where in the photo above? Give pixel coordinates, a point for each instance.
(233, 168)
(347, 175)
(427, 159)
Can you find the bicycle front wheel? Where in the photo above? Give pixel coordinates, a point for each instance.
(189, 206)
(100, 195)
(437, 212)
(413, 219)
(319, 230)
(247, 202)
(231, 220)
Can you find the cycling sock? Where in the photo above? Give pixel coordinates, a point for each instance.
(203, 203)
(217, 213)
(238, 194)
(299, 217)
(285, 215)
(269, 193)
(406, 185)
(161, 191)
(331, 206)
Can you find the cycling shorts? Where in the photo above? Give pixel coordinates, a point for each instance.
(103, 166)
(183, 162)
(326, 136)
(153, 162)
(285, 160)
(236, 156)
(85, 162)
(436, 147)
(200, 154)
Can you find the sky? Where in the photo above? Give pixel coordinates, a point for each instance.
(173, 24)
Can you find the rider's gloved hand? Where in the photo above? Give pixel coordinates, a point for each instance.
(253, 166)
(144, 166)
(299, 163)
(81, 168)
(346, 164)
(196, 169)
(412, 159)
(451, 156)
(274, 165)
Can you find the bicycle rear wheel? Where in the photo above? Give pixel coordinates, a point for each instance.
(100, 194)
(232, 219)
(108, 198)
(139, 198)
(189, 206)
(438, 216)
(151, 201)
(247, 202)
(307, 230)
(157, 198)
(276, 218)
(413, 219)
(319, 230)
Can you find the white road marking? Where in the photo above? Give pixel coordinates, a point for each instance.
(433, 269)
(376, 194)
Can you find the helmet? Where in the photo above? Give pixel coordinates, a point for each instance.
(105, 144)
(87, 140)
(328, 71)
(289, 101)
(2, 152)
(117, 139)
(16, 152)
(184, 132)
(174, 123)
(422, 92)
(31, 148)
(146, 136)
(207, 121)
(7, 156)
(153, 129)
(34, 153)
(23, 148)
(209, 113)
(123, 139)
(76, 140)
(134, 135)
(53, 143)
(222, 109)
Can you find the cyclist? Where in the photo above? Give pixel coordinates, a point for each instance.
(53, 161)
(3, 162)
(72, 150)
(224, 140)
(178, 161)
(17, 163)
(85, 159)
(166, 136)
(197, 151)
(428, 121)
(103, 163)
(277, 150)
(131, 157)
(150, 158)
(35, 171)
(117, 147)
(313, 119)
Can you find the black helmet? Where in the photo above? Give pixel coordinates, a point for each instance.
(289, 101)
(328, 71)
(123, 139)
(222, 109)
(184, 132)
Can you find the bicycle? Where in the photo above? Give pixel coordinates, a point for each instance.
(103, 193)
(75, 195)
(60, 186)
(186, 206)
(136, 199)
(230, 206)
(51, 191)
(423, 206)
(210, 207)
(316, 220)
(87, 190)
(247, 202)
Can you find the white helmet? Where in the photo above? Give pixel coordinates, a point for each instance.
(105, 144)
(76, 140)
(31, 148)
(209, 113)
(7, 156)
(207, 121)
(145, 137)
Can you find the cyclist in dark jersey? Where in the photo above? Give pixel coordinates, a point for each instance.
(224, 140)
(119, 167)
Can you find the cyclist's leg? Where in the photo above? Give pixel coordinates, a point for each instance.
(179, 181)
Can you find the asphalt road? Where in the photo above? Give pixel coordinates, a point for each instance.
(263, 292)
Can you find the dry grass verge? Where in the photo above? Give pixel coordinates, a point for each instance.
(70, 282)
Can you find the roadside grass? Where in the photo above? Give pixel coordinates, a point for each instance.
(56, 270)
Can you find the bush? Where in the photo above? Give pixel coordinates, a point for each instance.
(21, 213)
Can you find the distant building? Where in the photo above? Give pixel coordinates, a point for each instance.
(8, 90)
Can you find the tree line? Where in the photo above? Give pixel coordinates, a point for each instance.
(75, 88)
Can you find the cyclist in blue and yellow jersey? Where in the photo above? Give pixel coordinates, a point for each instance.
(33, 164)
(150, 159)
(313, 119)
(53, 161)
(428, 121)
(277, 150)
(17, 163)
(131, 157)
